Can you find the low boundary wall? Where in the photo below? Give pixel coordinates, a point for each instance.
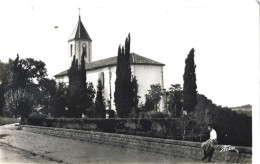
(184, 149)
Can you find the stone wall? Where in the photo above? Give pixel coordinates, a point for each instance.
(176, 148)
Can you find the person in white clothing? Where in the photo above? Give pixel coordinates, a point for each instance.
(208, 146)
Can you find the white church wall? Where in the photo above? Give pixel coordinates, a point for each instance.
(62, 79)
(93, 76)
(147, 75)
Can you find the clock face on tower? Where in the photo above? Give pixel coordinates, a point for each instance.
(84, 45)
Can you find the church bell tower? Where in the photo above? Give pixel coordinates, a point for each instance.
(79, 42)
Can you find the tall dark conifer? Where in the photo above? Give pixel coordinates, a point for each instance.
(135, 93)
(123, 85)
(83, 85)
(72, 72)
(74, 91)
(189, 86)
(127, 85)
(117, 92)
(82, 72)
(100, 101)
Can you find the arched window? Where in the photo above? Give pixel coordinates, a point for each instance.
(71, 48)
(84, 47)
(102, 78)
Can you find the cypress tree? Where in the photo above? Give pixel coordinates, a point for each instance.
(189, 86)
(82, 83)
(72, 72)
(117, 92)
(126, 80)
(82, 72)
(90, 95)
(100, 101)
(74, 91)
(123, 85)
(135, 96)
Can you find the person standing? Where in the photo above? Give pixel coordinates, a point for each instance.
(208, 146)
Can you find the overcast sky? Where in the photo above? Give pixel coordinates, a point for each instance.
(224, 33)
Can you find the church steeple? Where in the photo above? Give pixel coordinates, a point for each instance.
(79, 42)
(80, 32)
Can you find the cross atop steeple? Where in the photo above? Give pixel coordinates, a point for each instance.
(79, 13)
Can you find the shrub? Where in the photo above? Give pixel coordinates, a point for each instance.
(146, 124)
(111, 113)
(36, 118)
(172, 128)
(154, 114)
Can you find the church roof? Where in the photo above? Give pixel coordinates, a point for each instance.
(80, 32)
(134, 60)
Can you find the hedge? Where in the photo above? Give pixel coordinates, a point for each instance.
(171, 128)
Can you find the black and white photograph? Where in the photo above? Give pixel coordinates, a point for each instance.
(129, 81)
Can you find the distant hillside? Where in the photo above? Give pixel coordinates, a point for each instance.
(246, 109)
(232, 128)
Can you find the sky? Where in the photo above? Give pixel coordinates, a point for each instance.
(224, 34)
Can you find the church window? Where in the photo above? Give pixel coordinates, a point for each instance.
(71, 48)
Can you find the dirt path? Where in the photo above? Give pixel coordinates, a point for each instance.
(12, 155)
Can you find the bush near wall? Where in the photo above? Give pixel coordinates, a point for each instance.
(168, 128)
(151, 127)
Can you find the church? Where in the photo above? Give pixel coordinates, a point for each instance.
(147, 71)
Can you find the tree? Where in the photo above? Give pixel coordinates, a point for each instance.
(46, 97)
(19, 74)
(153, 97)
(2, 99)
(60, 101)
(52, 97)
(5, 81)
(135, 96)
(84, 94)
(26, 71)
(19, 102)
(100, 101)
(118, 83)
(80, 95)
(74, 107)
(232, 128)
(19, 84)
(189, 86)
(6, 73)
(175, 104)
(123, 85)
(90, 110)
(91, 95)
